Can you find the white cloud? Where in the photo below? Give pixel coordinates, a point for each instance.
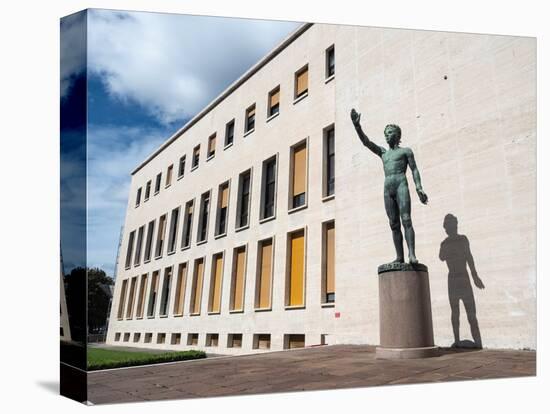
(173, 65)
(72, 49)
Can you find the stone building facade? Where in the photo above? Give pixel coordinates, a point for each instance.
(260, 223)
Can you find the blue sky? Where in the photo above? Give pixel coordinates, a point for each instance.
(148, 73)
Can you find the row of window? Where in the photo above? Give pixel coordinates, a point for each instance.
(295, 278)
(234, 340)
(301, 81)
(268, 188)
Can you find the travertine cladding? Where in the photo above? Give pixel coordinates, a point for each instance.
(467, 107)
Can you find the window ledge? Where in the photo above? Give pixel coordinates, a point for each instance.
(156, 192)
(151, 317)
(163, 316)
(171, 253)
(202, 242)
(145, 200)
(194, 314)
(328, 305)
(300, 98)
(237, 311)
(136, 265)
(214, 313)
(264, 220)
(262, 309)
(295, 209)
(195, 167)
(181, 176)
(219, 236)
(242, 228)
(275, 115)
(293, 307)
(327, 198)
(228, 146)
(158, 257)
(185, 247)
(249, 132)
(210, 157)
(178, 315)
(331, 77)
(167, 185)
(146, 261)
(139, 317)
(137, 205)
(128, 267)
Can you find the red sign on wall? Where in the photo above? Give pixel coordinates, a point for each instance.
(336, 314)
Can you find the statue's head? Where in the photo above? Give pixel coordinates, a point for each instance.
(450, 224)
(392, 133)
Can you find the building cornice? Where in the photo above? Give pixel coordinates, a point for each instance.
(228, 91)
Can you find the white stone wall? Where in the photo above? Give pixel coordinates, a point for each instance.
(473, 135)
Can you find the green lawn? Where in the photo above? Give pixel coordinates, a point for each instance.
(99, 358)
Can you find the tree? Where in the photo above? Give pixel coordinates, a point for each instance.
(99, 297)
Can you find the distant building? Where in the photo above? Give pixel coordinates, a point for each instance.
(260, 223)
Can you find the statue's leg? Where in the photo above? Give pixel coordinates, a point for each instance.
(404, 203)
(392, 210)
(470, 306)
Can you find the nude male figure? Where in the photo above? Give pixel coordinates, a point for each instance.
(397, 199)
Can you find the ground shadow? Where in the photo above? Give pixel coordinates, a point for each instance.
(455, 251)
(51, 386)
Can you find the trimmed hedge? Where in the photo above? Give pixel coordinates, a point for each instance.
(107, 358)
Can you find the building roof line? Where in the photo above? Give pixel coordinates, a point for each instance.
(228, 91)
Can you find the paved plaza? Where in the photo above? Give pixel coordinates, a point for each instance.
(318, 368)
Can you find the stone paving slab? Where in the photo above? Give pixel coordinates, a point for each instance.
(319, 368)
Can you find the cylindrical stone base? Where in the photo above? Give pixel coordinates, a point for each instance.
(406, 329)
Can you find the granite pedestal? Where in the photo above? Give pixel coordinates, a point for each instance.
(406, 329)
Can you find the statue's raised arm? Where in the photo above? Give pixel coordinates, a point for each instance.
(356, 118)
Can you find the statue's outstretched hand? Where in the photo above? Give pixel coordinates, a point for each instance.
(355, 117)
(477, 281)
(422, 195)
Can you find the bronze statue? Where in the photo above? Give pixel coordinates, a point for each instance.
(397, 199)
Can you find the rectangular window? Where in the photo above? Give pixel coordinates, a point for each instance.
(295, 280)
(263, 274)
(328, 263)
(212, 339)
(165, 294)
(117, 336)
(196, 156)
(301, 82)
(211, 146)
(130, 249)
(292, 341)
(148, 337)
(158, 180)
(298, 174)
(131, 298)
(196, 287)
(141, 297)
(181, 284)
(161, 338)
(153, 293)
(139, 245)
(250, 119)
(273, 102)
(126, 336)
(330, 62)
(238, 277)
(169, 172)
(243, 201)
(193, 339)
(187, 225)
(328, 162)
(160, 236)
(202, 232)
(215, 296)
(229, 132)
(137, 337)
(234, 340)
(261, 341)
(172, 235)
(138, 197)
(122, 299)
(223, 207)
(149, 241)
(147, 190)
(181, 167)
(269, 187)
(176, 339)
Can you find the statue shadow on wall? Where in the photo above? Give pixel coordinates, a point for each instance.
(455, 251)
